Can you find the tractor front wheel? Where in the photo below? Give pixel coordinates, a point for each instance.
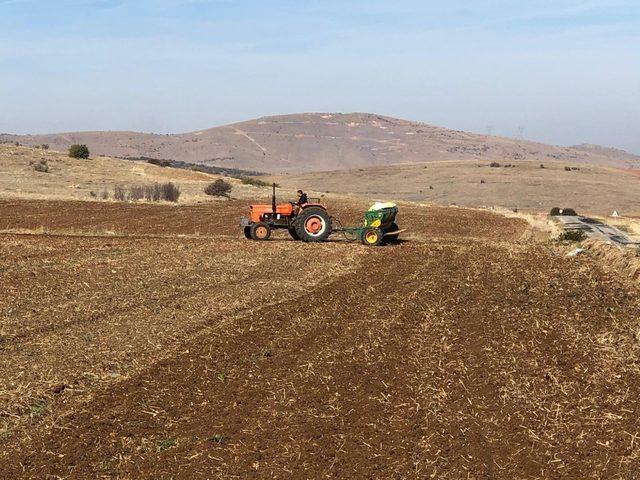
(372, 237)
(260, 231)
(313, 224)
(247, 232)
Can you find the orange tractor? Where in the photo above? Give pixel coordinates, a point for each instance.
(309, 222)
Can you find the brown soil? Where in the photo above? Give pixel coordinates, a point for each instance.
(214, 357)
(222, 218)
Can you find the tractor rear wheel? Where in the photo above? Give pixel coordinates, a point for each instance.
(247, 232)
(313, 224)
(293, 233)
(372, 237)
(260, 231)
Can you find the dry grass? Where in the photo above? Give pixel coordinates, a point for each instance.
(624, 261)
(78, 179)
(526, 186)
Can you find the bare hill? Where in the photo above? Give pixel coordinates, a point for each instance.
(315, 142)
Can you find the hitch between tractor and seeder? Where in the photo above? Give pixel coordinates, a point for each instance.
(311, 222)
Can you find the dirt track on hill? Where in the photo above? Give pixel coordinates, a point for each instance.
(468, 356)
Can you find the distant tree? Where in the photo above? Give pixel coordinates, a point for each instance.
(256, 182)
(79, 151)
(219, 188)
(159, 162)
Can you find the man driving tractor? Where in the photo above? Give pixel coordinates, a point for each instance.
(302, 198)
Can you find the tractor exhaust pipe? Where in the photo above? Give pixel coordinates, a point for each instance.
(273, 199)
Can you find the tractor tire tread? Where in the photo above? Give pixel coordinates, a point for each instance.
(299, 224)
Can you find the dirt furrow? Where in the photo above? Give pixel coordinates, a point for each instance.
(408, 373)
(101, 335)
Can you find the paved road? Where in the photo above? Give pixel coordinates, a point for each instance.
(596, 229)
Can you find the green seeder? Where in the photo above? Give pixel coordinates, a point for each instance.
(378, 226)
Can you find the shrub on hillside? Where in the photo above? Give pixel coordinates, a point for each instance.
(152, 192)
(256, 182)
(572, 236)
(169, 192)
(555, 211)
(219, 188)
(494, 165)
(119, 194)
(79, 151)
(160, 163)
(136, 192)
(43, 166)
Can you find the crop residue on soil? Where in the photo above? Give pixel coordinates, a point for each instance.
(469, 356)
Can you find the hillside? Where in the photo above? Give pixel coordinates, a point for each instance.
(523, 185)
(77, 179)
(473, 183)
(315, 142)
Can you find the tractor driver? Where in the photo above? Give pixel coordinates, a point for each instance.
(302, 198)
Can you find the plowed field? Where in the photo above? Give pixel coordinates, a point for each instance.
(156, 342)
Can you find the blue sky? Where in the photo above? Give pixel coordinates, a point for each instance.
(566, 71)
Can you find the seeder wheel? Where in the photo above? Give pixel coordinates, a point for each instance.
(372, 237)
